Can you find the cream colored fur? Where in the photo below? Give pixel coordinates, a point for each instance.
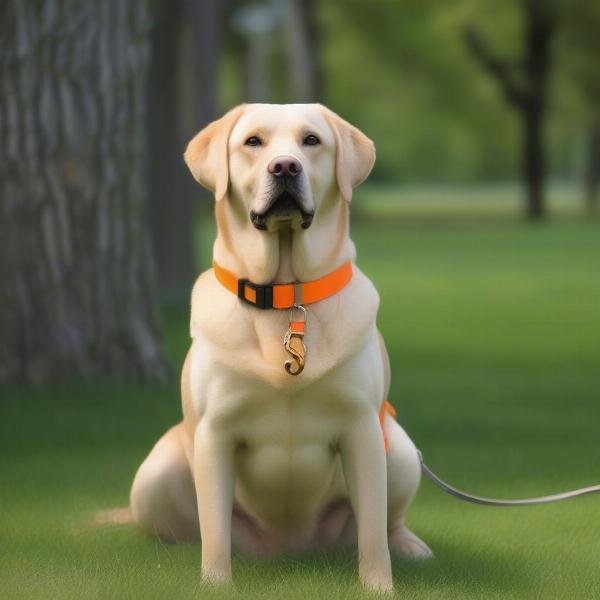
(263, 461)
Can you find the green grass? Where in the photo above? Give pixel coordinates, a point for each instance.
(439, 204)
(493, 328)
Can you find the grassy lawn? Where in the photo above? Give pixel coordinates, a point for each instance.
(493, 328)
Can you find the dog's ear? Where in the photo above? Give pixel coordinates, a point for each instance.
(355, 154)
(206, 155)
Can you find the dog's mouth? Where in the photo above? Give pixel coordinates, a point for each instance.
(285, 211)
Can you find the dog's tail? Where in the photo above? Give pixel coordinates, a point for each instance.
(119, 515)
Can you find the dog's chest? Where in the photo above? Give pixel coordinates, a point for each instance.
(286, 439)
(288, 445)
(286, 428)
(250, 341)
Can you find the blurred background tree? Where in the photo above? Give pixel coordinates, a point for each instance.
(580, 46)
(182, 98)
(524, 83)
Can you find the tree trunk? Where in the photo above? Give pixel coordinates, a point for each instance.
(206, 18)
(302, 43)
(539, 31)
(533, 164)
(524, 85)
(170, 193)
(183, 92)
(77, 277)
(257, 82)
(592, 172)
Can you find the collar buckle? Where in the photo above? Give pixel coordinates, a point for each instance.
(255, 294)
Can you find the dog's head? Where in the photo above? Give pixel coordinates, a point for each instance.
(280, 162)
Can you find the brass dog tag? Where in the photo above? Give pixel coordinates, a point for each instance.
(293, 342)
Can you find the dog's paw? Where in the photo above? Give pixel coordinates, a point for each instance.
(378, 581)
(375, 570)
(216, 577)
(384, 587)
(404, 542)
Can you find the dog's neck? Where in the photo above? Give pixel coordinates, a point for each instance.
(286, 255)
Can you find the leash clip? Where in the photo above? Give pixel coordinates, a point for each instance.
(293, 341)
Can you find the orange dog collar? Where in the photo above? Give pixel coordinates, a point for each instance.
(288, 295)
(285, 295)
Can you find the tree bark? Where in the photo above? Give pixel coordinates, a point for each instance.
(78, 294)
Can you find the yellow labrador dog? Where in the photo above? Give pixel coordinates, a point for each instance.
(269, 459)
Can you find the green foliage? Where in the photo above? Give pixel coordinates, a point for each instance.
(402, 72)
(580, 46)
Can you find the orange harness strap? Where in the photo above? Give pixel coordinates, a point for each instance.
(285, 295)
(386, 407)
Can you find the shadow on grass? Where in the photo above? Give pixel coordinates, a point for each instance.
(457, 570)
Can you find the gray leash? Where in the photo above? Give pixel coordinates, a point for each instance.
(494, 502)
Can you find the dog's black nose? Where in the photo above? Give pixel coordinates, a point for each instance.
(284, 166)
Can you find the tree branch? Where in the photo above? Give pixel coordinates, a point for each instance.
(502, 70)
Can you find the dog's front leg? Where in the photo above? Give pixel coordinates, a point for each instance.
(363, 461)
(214, 480)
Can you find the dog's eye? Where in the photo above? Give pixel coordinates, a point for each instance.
(311, 140)
(253, 141)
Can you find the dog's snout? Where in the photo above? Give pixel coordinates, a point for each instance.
(284, 166)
